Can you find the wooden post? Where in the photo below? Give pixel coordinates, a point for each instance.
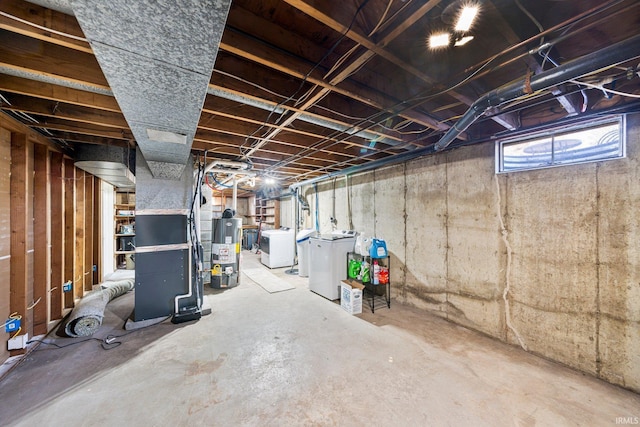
(5, 234)
(69, 227)
(97, 230)
(57, 235)
(19, 227)
(78, 267)
(88, 232)
(41, 286)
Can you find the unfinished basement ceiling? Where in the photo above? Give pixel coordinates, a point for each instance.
(305, 88)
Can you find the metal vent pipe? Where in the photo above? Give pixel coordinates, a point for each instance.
(588, 64)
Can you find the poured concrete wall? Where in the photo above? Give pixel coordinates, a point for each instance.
(563, 240)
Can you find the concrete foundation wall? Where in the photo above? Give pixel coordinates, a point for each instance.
(563, 240)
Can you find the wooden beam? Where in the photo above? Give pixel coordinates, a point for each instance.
(17, 50)
(45, 18)
(19, 276)
(83, 128)
(273, 147)
(251, 50)
(97, 230)
(14, 125)
(89, 139)
(88, 232)
(57, 235)
(41, 251)
(53, 92)
(69, 228)
(211, 107)
(46, 108)
(533, 61)
(5, 232)
(350, 146)
(79, 236)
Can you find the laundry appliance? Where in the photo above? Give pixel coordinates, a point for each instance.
(277, 247)
(328, 262)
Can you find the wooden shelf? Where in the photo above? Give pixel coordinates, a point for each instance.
(124, 201)
(268, 210)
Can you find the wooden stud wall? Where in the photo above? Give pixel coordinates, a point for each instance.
(19, 276)
(5, 231)
(41, 251)
(57, 235)
(69, 227)
(88, 235)
(78, 270)
(48, 217)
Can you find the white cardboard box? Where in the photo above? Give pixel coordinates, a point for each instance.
(351, 296)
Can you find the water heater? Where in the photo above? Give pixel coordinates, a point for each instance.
(226, 238)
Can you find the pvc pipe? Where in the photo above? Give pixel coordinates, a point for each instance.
(187, 295)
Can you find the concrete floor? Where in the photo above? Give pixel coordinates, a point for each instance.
(294, 358)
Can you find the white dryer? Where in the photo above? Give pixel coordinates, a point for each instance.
(277, 247)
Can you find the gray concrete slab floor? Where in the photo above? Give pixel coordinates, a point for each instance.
(295, 358)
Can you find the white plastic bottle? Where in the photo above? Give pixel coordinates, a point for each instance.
(376, 273)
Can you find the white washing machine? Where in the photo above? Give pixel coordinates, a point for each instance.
(328, 262)
(277, 247)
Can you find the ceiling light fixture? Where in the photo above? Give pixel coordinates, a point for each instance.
(466, 18)
(463, 41)
(437, 41)
(459, 16)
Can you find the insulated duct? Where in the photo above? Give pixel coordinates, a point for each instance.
(157, 56)
(86, 317)
(588, 64)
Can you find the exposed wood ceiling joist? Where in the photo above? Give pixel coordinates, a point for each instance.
(300, 87)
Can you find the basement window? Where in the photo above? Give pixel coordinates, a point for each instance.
(590, 142)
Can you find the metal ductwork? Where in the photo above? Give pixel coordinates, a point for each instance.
(114, 165)
(158, 57)
(592, 63)
(227, 165)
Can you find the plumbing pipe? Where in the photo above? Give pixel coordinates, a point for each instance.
(405, 157)
(187, 295)
(234, 203)
(588, 64)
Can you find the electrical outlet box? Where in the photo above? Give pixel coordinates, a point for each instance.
(18, 343)
(66, 287)
(12, 325)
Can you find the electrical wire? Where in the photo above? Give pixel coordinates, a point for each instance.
(384, 15)
(601, 87)
(40, 27)
(400, 106)
(306, 76)
(12, 318)
(533, 19)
